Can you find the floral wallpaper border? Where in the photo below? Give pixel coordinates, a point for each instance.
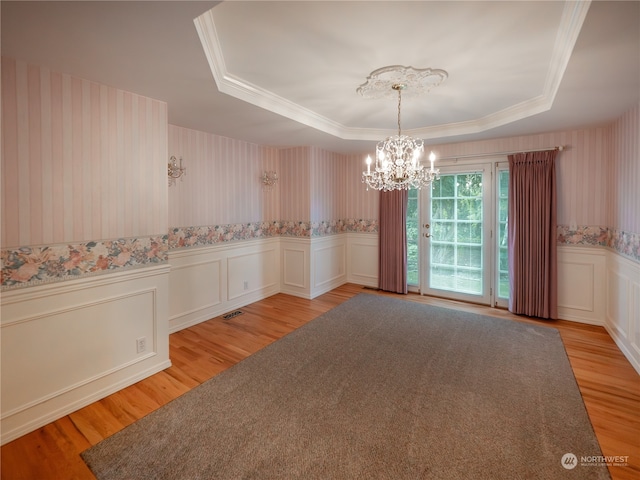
(199, 236)
(624, 243)
(30, 266)
(185, 237)
(585, 235)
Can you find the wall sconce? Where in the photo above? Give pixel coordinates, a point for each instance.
(269, 179)
(175, 171)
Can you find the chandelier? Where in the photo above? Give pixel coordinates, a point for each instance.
(397, 165)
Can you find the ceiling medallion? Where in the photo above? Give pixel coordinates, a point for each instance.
(417, 81)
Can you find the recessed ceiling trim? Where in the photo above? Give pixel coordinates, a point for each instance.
(508, 115)
(573, 16)
(246, 91)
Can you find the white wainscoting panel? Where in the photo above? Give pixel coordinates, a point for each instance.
(197, 286)
(209, 281)
(328, 263)
(68, 344)
(296, 266)
(250, 271)
(362, 254)
(581, 284)
(623, 305)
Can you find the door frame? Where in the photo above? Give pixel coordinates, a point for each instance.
(487, 166)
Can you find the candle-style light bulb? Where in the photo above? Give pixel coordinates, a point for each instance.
(432, 159)
(368, 164)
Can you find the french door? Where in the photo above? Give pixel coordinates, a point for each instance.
(457, 234)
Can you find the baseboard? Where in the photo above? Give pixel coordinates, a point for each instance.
(633, 357)
(27, 421)
(180, 322)
(563, 315)
(328, 286)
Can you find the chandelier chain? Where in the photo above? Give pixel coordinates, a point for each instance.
(399, 105)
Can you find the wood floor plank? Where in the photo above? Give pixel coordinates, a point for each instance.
(609, 385)
(95, 422)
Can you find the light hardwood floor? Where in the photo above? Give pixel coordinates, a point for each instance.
(609, 384)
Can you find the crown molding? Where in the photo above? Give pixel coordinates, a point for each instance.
(573, 16)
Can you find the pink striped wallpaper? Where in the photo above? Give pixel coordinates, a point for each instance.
(624, 191)
(324, 186)
(80, 161)
(328, 189)
(359, 202)
(295, 184)
(83, 163)
(222, 184)
(582, 168)
(316, 185)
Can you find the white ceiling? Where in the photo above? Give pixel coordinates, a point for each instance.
(286, 73)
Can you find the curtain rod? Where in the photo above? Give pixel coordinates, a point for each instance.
(472, 155)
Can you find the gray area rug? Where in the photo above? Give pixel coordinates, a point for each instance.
(376, 388)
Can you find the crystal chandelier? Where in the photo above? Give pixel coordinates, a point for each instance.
(397, 165)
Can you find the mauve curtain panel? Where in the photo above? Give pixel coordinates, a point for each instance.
(532, 248)
(393, 241)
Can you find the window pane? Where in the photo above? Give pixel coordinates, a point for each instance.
(470, 209)
(443, 209)
(504, 181)
(503, 260)
(442, 277)
(503, 257)
(469, 256)
(503, 287)
(444, 231)
(469, 185)
(503, 209)
(469, 281)
(469, 232)
(442, 254)
(445, 186)
(413, 237)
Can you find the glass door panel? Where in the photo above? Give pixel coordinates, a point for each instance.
(456, 234)
(413, 240)
(502, 266)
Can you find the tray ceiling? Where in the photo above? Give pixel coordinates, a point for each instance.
(286, 73)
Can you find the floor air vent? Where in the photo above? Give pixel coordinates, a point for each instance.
(230, 315)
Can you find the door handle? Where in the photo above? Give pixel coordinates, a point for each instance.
(427, 235)
(426, 225)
